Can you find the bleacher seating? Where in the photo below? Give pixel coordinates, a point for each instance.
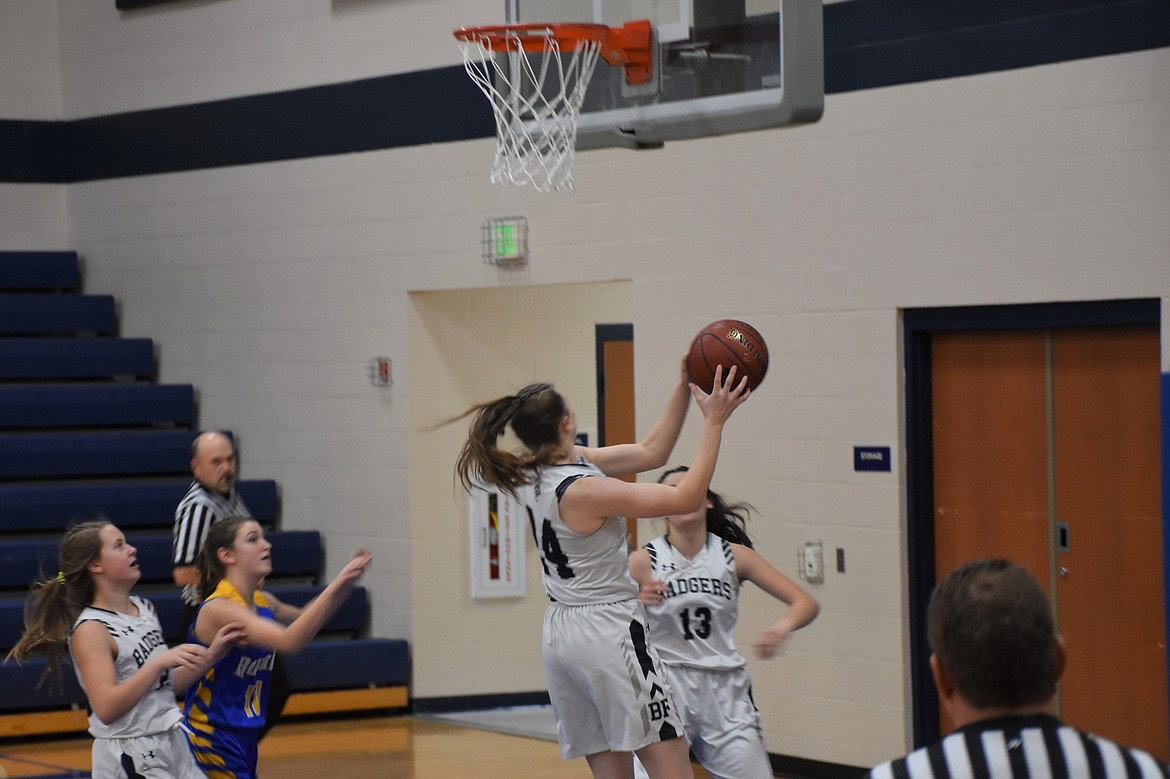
(127, 503)
(30, 314)
(296, 555)
(85, 431)
(76, 358)
(89, 405)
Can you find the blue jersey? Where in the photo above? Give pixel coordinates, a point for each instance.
(232, 695)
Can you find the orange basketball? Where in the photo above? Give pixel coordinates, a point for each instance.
(727, 342)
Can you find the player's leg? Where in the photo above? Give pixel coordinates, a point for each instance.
(606, 683)
(225, 752)
(668, 759)
(683, 701)
(730, 741)
(611, 765)
(579, 729)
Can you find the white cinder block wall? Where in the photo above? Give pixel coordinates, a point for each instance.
(270, 287)
(31, 215)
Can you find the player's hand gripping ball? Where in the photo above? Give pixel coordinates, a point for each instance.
(727, 342)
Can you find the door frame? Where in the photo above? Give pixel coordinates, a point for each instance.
(918, 326)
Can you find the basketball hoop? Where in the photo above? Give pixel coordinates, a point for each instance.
(535, 76)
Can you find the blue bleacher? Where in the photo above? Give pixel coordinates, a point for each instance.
(295, 554)
(128, 504)
(35, 314)
(350, 664)
(83, 432)
(90, 405)
(38, 270)
(23, 688)
(81, 454)
(76, 358)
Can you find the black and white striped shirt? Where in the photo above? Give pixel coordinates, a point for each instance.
(1023, 747)
(197, 511)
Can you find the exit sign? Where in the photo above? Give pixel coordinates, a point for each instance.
(505, 240)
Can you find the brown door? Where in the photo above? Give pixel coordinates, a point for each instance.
(1047, 437)
(617, 396)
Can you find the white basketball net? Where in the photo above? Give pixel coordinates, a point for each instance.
(537, 105)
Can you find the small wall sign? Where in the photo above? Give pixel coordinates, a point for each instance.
(871, 458)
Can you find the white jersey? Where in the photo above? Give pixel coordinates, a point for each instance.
(578, 569)
(137, 639)
(694, 624)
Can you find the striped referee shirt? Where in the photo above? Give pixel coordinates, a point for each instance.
(1025, 747)
(199, 509)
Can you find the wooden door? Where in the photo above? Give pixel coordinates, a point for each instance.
(990, 450)
(1108, 492)
(615, 414)
(1037, 428)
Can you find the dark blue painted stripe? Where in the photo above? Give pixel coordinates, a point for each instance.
(32, 151)
(877, 43)
(431, 106)
(868, 44)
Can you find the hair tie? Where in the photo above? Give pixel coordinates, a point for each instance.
(60, 577)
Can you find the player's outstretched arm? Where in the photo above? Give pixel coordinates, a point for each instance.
(218, 612)
(654, 449)
(802, 608)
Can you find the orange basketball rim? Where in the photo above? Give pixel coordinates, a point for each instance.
(628, 46)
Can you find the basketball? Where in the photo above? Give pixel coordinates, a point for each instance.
(727, 342)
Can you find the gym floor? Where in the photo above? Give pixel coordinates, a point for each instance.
(354, 748)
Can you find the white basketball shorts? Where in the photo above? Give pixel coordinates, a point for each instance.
(159, 756)
(605, 680)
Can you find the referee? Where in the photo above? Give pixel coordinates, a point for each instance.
(211, 497)
(996, 661)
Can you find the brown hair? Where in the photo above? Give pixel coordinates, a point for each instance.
(726, 520)
(221, 535)
(53, 604)
(535, 414)
(991, 626)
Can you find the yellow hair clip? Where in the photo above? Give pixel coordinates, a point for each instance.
(60, 577)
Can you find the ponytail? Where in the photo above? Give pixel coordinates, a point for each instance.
(535, 414)
(221, 535)
(53, 604)
(726, 520)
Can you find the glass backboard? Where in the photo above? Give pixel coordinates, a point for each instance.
(721, 66)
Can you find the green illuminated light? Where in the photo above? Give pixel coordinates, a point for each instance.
(505, 241)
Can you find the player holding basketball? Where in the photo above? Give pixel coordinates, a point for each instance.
(595, 628)
(225, 710)
(689, 580)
